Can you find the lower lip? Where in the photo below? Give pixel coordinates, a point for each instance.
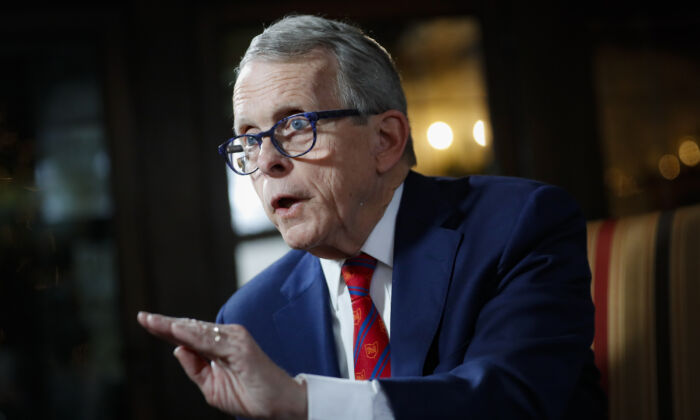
(289, 212)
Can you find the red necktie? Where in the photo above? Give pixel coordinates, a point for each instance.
(371, 344)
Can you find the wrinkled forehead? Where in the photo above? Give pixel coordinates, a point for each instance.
(265, 87)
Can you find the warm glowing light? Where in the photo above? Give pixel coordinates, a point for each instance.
(479, 133)
(689, 152)
(440, 135)
(669, 166)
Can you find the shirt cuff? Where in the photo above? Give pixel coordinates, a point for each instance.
(335, 398)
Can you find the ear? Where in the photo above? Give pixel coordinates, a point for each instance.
(392, 129)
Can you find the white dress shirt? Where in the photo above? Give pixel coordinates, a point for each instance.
(333, 398)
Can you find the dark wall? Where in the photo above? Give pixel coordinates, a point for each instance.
(172, 210)
(540, 83)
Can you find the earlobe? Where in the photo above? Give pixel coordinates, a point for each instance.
(392, 129)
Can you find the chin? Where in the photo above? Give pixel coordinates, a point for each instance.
(297, 241)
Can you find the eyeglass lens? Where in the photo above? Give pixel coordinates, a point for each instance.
(294, 136)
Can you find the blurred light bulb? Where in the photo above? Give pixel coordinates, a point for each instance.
(480, 133)
(669, 167)
(440, 135)
(689, 152)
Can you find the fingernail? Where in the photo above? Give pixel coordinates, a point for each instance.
(141, 316)
(177, 350)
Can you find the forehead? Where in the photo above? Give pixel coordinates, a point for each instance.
(266, 89)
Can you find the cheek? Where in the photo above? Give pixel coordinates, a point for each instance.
(341, 190)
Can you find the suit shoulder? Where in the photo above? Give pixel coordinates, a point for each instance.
(492, 184)
(490, 190)
(484, 202)
(280, 268)
(489, 183)
(484, 195)
(264, 287)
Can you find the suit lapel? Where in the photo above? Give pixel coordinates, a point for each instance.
(304, 324)
(424, 255)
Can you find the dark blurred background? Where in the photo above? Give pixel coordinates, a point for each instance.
(113, 198)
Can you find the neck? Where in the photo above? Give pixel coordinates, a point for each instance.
(370, 211)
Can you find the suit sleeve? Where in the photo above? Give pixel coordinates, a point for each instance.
(532, 337)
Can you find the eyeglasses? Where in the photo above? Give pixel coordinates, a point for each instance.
(292, 136)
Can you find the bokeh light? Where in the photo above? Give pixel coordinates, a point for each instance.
(669, 166)
(479, 133)
(440, 135)
(689, 152)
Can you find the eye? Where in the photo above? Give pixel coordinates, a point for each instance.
(250, 141)
(299, 123)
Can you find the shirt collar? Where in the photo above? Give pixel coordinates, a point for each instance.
(380, 242)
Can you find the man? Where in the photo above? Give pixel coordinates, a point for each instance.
(479, 302)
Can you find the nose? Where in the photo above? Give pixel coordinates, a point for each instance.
(271, 162)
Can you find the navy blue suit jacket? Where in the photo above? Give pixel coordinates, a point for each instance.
(491, 312)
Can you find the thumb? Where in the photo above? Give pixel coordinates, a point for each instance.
(195, 366)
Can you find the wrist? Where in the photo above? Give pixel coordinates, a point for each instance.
(294, 405)
(302, 412)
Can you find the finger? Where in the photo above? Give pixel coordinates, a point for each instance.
(195, 366)
(155, 324)
(159, 325)
(208, 339)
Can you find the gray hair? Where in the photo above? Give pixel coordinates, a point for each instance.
(367, 79)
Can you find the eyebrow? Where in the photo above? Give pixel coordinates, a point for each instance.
(277, 115)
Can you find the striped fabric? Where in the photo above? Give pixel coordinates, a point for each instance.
(646, 289)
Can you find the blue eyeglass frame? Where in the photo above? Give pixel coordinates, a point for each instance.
(312, 116)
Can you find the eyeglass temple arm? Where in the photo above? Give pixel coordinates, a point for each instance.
(336, 113)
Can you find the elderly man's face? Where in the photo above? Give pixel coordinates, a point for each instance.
(317, 201)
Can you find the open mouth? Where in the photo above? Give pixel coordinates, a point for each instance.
(285, 202)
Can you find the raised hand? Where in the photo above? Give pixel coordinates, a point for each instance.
(229, 367)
